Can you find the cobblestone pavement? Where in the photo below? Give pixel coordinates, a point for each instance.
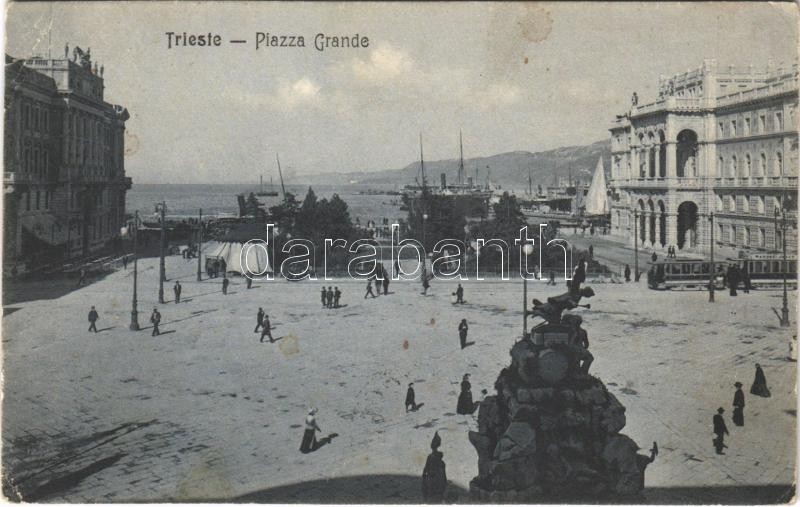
(205, 411)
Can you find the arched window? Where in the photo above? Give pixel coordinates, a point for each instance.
(748, 166)
(720, 167)
(745, 204)
(734, 233)
(778, 164)
(719, 202)
(762, 234)
(732, 168)
(761, 203)
(720, 233)
(746, 236)
(762, 165)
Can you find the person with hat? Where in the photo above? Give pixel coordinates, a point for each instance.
(324, 297)
(410, 401)
(337, 295)
(434, 475)
(93, 316)
(463, 329)
(738, 405)
(309, 442)
(720, 430)
(155, 319)
(465, 405)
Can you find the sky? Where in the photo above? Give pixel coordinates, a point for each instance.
(512, 77)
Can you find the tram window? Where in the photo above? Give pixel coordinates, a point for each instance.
(792, 267)
(704, 268)
(686, 268)
(676, 269)
(756, 267)
(776, 267)
(697, 268)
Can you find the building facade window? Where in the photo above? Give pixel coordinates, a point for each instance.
(762, 124)
(748, 166)
(762, 165)
(761, 204)
(762, 235)
(720, 130)
(778, 164)
(733, 167)
(733, 128)
(779, 121)
(746, 127)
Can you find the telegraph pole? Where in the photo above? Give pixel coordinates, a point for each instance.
(780, 218)
(635, 245)
(161, 267)
(199, 246)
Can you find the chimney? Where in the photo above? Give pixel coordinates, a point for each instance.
(444, 181)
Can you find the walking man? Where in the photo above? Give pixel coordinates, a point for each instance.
(248, 281)
(426, 284)
(733, 279)
(259, 319)
(266, 330)
(552, 280)
(155, 319)
(225, 283)
(93, 316)
(463, 328)
(177, 290)
(720, 430)
(627, 272)
(124, 262)
(385, 282)
(591, 250)
(460, 294)
(337, 294)
(369, 289)
(410, 402)
(738, 405)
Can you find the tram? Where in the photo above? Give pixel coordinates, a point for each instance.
(766, 271)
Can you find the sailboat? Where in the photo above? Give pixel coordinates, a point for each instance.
(596, 202)
(261, 192)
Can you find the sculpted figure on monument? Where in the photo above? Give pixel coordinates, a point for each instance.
(555, 306)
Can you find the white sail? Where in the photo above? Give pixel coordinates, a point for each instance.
(597, 197)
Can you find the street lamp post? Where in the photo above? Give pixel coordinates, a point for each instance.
(780, 218)
(199, 246)
(162, 207)
(527, 250)
(712, 280)
(424, 247)
(134, 326)
(635, 245)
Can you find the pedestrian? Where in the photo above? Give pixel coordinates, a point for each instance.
(259, 319)
(460, 294)
(465, 405)
(397, 267)
(410, 402)
(578, 276)
(337, 294)
(124, 262)
(552, 280)
(82, 277)
(385, 281)
(733, 279)
(434, 475)
(93, 316)
(248, 281)
(759, 387)
(155, 319)
(177, 290)
(369, 289)
(591, 249)
(654, 257)
(720, 430)
(329, 297)
(738, 405)
(266, 329)
(225, 283)
(309, 443)
(323, 296)
(463, 328)
(745, 273)
(627, 273)
(426, 284)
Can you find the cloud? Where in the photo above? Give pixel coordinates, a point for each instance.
(499, 95)
(302, 91)
(385, 63)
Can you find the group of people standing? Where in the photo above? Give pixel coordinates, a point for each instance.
(330, 297)
(759, 388)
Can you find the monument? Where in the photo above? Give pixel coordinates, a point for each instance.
(552, 430)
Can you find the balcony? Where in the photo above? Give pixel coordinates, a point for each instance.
(759, 92)
(758, 182)
(669, 104)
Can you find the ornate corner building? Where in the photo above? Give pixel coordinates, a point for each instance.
(717, 149)
(64, 178)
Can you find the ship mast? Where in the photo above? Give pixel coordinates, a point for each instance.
(283, 188)
(530, 182)
(422, 162)
(461, 162)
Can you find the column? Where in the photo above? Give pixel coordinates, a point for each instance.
(634, 164)
(672, 155)
(657, 243)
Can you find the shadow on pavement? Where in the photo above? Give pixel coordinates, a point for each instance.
(382, 488)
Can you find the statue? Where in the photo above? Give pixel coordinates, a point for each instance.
(634, 99)
(102, 68)
(66, 51)
(555, 306)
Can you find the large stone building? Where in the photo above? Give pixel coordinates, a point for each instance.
(64, 178)
(719, 141)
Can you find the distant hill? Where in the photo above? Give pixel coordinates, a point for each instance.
(510, 170)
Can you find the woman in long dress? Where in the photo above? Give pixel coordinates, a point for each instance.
(759, 387)
(738, 405)
(309, 442)
(465, 405)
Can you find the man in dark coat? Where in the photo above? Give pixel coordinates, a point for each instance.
(155, 319)
(337, 295)
(720, 430)
(578, 276)
(93, 316)
(225, 283)
(385, 281)
(738, 405)
(177, 290)
(759, 387)
(434, 475)
(591, 252)
(627, 273)
(463, 328)
(410, 402)
(259, 319)
(369, 289)
(552, 280)
(733, 279)
(460, 294)
(266, 330)
(329, 297)
(654, 257)
(323, 296)
(248, 281)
